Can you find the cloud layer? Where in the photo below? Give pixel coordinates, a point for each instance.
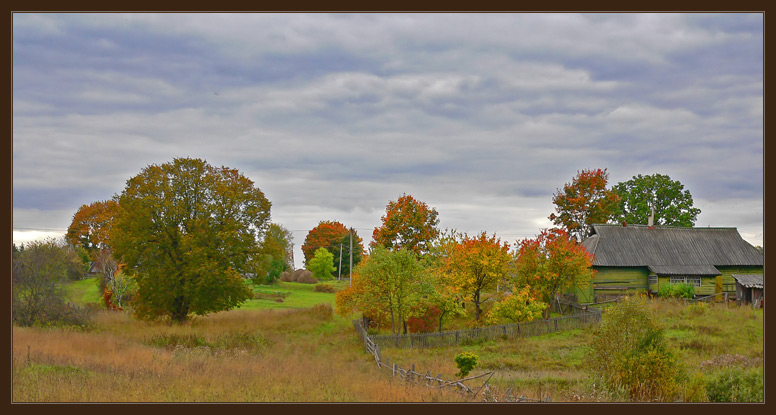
(483, 116)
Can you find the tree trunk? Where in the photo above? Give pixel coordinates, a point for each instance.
(477, 310)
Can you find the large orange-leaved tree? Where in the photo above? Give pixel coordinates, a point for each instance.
(407, 223)
(475, 266)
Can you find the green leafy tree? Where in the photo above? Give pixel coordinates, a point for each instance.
(320, 265)
(387, 283)
(274, 254)
(673, 205)
(407, 223)
(584, 202)
(187, 232)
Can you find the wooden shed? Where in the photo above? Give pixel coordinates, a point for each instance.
(640, 258)
(749, 289)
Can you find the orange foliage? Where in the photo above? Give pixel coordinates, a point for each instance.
(329, 235)
(92, 224)
(553, 262)
(407, 223)
(583, 202)
(476, 265)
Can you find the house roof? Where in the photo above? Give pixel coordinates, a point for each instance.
(669, 250)
(749, 281)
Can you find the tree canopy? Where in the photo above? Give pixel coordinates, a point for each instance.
(333, 236)
(552, 263)
(186, 231)
(584, 202)
(91, 226)
(386, 285)
(407, 223)
(274, 254)
(673, 205)
(321, 264)
(475, 265)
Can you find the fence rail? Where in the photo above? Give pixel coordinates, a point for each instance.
(451, 338)
(437, 381)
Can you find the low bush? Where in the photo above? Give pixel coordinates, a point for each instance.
(325, 288)
(465, 361)
(736, 385)
(681, 290)
(629, 353)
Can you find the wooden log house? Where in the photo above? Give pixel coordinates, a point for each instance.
(640, 258)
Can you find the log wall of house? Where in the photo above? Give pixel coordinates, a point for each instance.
(727, 274)
(620, 280)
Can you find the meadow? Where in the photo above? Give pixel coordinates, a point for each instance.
(299, 350)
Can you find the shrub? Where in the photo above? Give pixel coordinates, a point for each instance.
(426, 322)
(736, 385)
(629, 353)
(325, 288)
(37, 296)
(681, 290)
(465, 361)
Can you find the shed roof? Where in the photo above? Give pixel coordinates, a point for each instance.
(669, 250)
(750, 281)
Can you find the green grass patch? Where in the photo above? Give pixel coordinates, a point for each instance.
(83, 291)
(290, 295)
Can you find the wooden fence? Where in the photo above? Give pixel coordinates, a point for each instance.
(451, 338)
(411, 375)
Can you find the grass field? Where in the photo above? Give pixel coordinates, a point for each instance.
(290, 294)
(271, 351)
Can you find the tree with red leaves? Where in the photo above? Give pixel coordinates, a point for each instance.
(333, 236)
(583, 202)
(552, 263)
(407, 223)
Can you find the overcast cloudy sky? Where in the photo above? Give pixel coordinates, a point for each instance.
(482, 116)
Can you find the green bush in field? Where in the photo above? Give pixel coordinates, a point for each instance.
(736, 385)
(465, 361)
(681, 290)
(629, 353)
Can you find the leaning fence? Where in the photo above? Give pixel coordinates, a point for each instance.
(411, 375)
(455, 337)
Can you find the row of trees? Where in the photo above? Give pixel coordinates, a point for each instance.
(413, 270)
(181, 236)
(395, 285)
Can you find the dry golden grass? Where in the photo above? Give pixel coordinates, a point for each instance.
(308, 356)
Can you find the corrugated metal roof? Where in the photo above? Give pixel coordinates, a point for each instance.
(667, 246)
(750, 281)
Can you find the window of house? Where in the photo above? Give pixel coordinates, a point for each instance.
(652, 279)
(695, 281)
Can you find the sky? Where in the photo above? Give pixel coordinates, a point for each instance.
(481, 116)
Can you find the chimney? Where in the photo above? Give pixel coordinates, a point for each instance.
(624, 224)
(651, 220)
